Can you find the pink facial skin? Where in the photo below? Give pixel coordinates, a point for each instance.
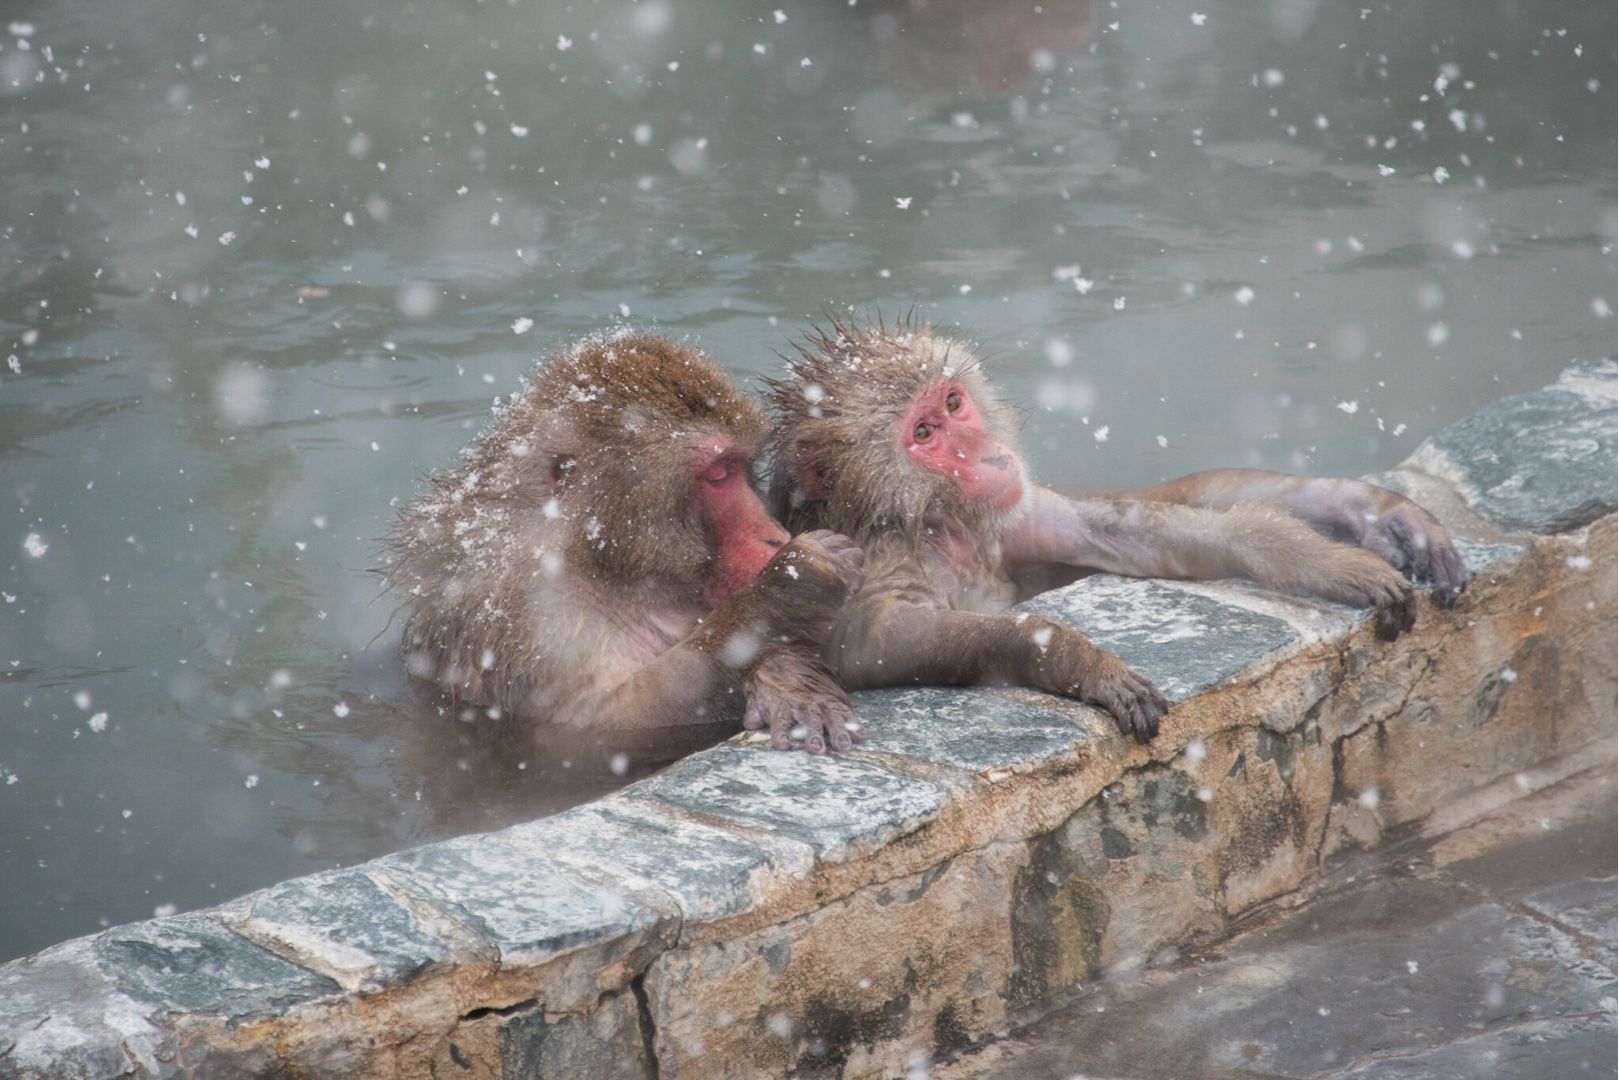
(943, 433)
(745, 536)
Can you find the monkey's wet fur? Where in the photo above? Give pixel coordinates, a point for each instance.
(600, 566)
(893, 436)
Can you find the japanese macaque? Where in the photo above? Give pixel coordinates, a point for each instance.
(601, 563)
(895, 438)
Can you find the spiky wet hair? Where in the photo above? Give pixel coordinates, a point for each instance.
(839, 461)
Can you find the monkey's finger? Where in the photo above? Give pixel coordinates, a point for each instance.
(1152, 707)
(1424, 559)
(781, 728)
(1380, 542)
(1388, 619)
(754, 718)
(1145, 689)
(1411, 544)
(837, 734)
(808, 721)
(1146, 724)
(1450, 576)
(1122, 718)
(1142, 728)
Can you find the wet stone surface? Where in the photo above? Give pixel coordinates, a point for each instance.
(1597, 368)
(1495, 965)
(1546, 1050)
(1183, 642)
(528, 907)
(1479, 557)
(191, 963)
(605, 1043)
(976, 730)
(704, 869)
(349, 922)
(1543, 462)
(61, 1016)
(827, 802)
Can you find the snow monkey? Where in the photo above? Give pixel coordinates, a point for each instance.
(896, 438)
(601, 564)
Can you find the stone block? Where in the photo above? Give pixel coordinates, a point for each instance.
(1183, 641)
(1233, 821)
(342, 924)
(1524, 673)
(972, 729)
(708, 871)
(605, 1043)
(63, 1018)
(858, 987)
(191, 963)
(525, 906)
(1542, 462)
(833, 803)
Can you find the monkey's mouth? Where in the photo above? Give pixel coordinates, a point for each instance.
(1006, 495)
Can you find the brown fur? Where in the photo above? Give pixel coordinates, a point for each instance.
(836, 411)
(939, 568)
(559, 570)
(935, 584)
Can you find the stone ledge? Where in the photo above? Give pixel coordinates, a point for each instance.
(749, 913)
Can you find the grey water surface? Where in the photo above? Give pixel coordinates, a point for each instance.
(261, 265)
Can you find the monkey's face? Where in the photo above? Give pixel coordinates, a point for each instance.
(742, 536)
(943, 433)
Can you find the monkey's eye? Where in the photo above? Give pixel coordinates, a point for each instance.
(952, 401)
(922, 432)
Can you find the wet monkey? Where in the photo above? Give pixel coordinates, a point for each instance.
(894, 437)
(599, 563)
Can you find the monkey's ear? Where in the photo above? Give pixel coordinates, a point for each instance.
(564, 468)
(814, 483)
(791, 488)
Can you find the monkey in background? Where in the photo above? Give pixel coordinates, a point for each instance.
(896, 439)
(600, 564)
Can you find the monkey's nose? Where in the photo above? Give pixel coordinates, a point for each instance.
(999, 461)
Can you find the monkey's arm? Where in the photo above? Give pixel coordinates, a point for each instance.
(757, 650)
(894, 639)
(1141, 538)
(1384, 522)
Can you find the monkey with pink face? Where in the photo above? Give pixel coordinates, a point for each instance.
(600, 567)
(896, 439)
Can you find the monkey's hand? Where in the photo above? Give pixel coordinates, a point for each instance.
(808, 582)
(1411, 539)
(1356, 577)
(1070, 664)
(792, 695)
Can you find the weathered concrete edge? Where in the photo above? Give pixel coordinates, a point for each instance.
(493, 952)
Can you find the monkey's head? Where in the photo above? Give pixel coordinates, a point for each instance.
(883, 429)
(651, 459)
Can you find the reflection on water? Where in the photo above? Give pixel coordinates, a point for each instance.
(264, 265)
